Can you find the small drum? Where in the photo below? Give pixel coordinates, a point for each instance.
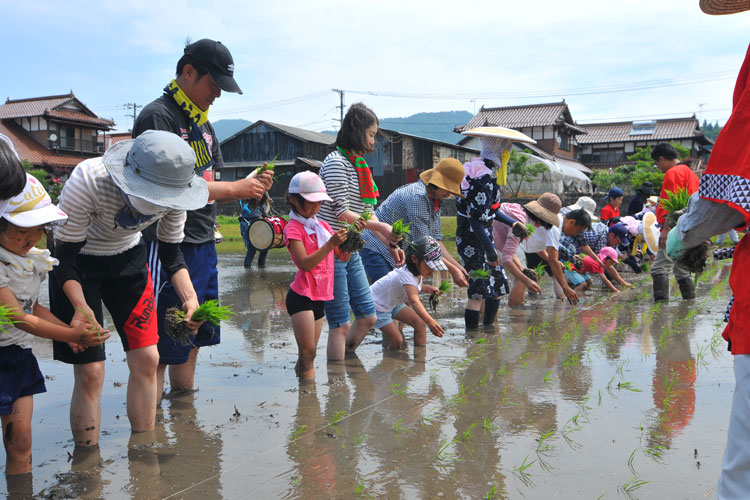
(267, 232)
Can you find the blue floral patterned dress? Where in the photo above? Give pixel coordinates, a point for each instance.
(483, 194)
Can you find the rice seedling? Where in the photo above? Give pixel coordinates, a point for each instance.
(401, 229)
(209, 312)
(467, 434)
(505, 401)
(543, 445)
(262, 168)
(430, 416)
(633, 484)
(445, 287)
(572, 359)
(656, 452)
(359, 440)
(718, 344)
(484, 379)
(487, 424)
(443, 454)
(670, 381)
(522, 472)
(459, 397)
(6, 313)
(539, 270)
(479, 274)
(354, 241)
(481, 341)
(548, 377)
(398, 428)
(628, 386)
(296, 480)
(502, 371)
(631, 459)
(398, 390)
(92, 321)
(491, 493)
(338, 417)
(298, 432)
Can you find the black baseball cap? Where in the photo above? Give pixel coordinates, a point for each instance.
(217, 60)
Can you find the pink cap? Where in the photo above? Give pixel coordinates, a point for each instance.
(608, 252)
(308, 185)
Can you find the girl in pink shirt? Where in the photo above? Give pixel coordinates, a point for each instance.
(310, 241)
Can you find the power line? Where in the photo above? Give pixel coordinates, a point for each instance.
(274, 104)
(605, 89)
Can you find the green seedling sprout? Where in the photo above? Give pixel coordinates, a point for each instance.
(530, 228)
(479, 274)
(675, 203)
(539, 270)
(567, 265)
(445, 287)
(6, 313)
(262, 168)
(401, 229)
(210, 312)
(92, 321)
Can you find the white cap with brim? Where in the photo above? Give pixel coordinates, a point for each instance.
(33, 207)
(158, 167)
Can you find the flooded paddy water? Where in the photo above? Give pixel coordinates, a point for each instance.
(616, 398)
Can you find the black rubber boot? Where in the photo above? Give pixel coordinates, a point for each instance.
(632, 262)
(687, 289)
(490, 310)
(661, 287)
(471, 318)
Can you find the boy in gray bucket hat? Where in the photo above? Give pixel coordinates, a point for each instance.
(109, 200)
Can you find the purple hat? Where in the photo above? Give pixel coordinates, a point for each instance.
(309, 186)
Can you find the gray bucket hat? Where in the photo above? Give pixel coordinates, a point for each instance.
(158, 167)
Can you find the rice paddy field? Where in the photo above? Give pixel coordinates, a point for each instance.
(615, 398)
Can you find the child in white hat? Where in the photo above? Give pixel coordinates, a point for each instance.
(310, 241)
(23, 267)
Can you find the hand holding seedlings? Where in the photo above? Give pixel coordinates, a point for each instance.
(522, 231)
(264, 168)
(83, 315)
(445, 287)
(400, 231)
(89, 336)
(354, 241)
(179, 329)
(479, 274)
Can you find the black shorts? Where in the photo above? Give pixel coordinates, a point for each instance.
(533, 260)
(123, 283)
(21, 376)
(297, 303)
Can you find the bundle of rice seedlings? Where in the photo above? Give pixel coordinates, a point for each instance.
(445, 287)
(523, 231)
(354, 241)
(479, 274)
(6, 313)
(210, 312)
(675, 203)
(262, 168)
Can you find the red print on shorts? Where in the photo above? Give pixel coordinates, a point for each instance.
(141, 328)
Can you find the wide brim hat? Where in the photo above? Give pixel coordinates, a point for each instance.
(447, 174)
(32, 207)
(650, 231)
(501, 132)
(722, 7)
(546, 207)
(646, 188)
(158, 167)
(580, 205)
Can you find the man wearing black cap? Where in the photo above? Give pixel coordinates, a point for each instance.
(641, 195)
(204, 70)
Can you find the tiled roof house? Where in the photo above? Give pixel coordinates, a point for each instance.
(53, 132)
(609, 144)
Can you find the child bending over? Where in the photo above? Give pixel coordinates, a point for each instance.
(391, 292)
(23, 267)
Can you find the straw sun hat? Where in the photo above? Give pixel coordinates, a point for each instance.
(546, 207)
(721, 7)
(447, 174)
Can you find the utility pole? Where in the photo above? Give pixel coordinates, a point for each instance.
(134, 107)
(341, 107)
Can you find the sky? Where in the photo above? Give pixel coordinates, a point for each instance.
(610, 61)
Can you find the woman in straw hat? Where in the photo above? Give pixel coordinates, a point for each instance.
(109, 200)
(417, 204)
(477, 209)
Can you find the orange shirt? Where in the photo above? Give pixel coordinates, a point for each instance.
(678, 177)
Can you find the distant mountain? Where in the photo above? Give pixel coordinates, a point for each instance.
(229, 127)
(438, 126)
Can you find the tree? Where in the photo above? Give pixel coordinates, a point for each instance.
(53, 185)
(630, 177)
(520, 170)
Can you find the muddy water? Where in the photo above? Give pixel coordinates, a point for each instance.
(617, 398)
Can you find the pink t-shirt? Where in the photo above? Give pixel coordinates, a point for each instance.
(505, 241)
(591, 266)
(316, 284)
